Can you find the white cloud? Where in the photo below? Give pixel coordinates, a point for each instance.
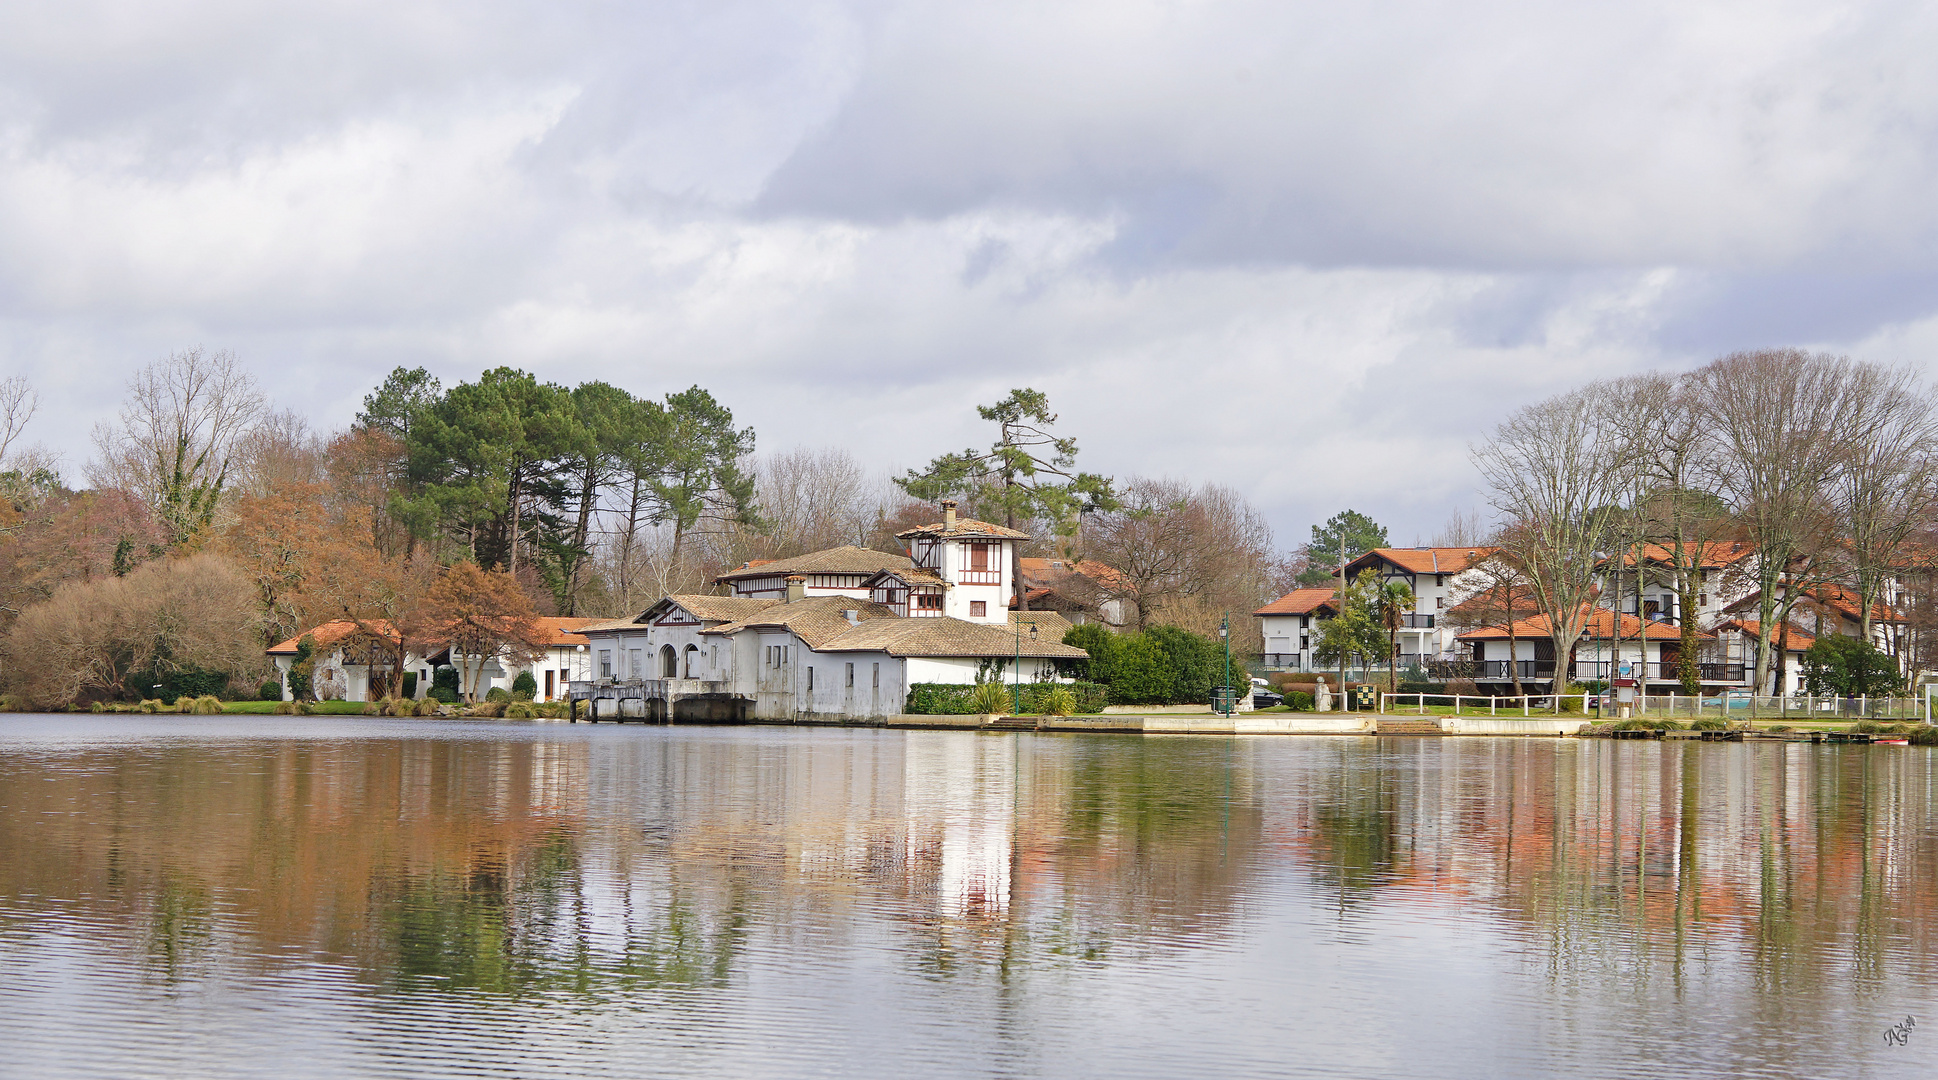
(1306, 250)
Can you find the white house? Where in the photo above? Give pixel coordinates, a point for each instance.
(342, 667)
(1290, 626)
(846, 635)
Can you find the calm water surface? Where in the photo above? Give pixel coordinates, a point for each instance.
(324, 897)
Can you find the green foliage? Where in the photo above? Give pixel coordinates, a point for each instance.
(1355, 632)
(497, 693)
(185, 683)
(1143, 675)
(524, 687)
(1101, 643)
(520, 710)
(445, 677)
(302, 671)
(1057, 701)
(1709, 723)
(270, 690)
(955, 699)
(1298, 701)
(1849, 667)
(151, 705)
(1414, 687)
(1350, 529)
(443, 695)
(410, 684)
(1027, 473)
(991, 697)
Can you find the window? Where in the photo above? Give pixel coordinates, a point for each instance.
(851, 675)
(928, 601)
(810, 680)
(978, 609)
(1439, 603)
(605, 663)
(978, 556)
(878, 676)
(713, 657)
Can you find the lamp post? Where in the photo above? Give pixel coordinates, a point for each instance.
(1019, 661)
(1224, 631)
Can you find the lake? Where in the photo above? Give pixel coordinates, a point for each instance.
(344, 897)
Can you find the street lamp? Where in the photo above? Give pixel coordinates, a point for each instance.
(1224, 631)
(1019, 660)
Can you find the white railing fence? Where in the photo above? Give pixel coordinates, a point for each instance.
(1725, 706)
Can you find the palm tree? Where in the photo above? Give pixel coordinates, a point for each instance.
(1394, 600)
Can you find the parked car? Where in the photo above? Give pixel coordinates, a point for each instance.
(1265, 699)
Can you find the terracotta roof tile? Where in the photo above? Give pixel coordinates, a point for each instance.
(965, 527)
(330, 633)
(946, 637)
(1600, 622)
(1795, 640)
(1301, 602)
(847, 559)
(814, 620)
(1427, 560)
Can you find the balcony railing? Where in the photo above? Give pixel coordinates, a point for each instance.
(1526, 669)
(1418, 622)
(1668, 671)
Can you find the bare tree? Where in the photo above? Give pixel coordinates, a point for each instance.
(1183, 556)
(1557, 471)
(1673, 448)
(1463, 529)
(18, 403)
(179, 438)
(1777, 416)
(1887, 482)
(811, 500)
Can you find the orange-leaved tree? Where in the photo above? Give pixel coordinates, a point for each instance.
(481, 616)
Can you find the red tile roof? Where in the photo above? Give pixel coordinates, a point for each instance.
(1795, 640)
(1424, 560)
(1301, 602)
(1713, 555)
(1600, 622)
(332, 632)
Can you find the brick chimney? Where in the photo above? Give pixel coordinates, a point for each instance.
(796, 588)
(948, 515)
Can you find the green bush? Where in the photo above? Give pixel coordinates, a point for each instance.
(443, 695)
(410, 684)
(524, 687)
(207, 705)
(1709, 723)
(1298, 701)
(1143, 673)
(990, 697)
(1101, 643)
(1924, 735)
(1849, 667)
(497, 693)
(1412, 687)
(953, 699)
(520, 710)
(151, 705)
(445, 677)
(1057, 701)
(270, 690)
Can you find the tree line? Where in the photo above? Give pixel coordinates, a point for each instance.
(587, 500)
(1823, 470)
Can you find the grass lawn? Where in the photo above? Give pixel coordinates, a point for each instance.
(317, 708)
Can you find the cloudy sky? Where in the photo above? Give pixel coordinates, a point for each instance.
(1308, 250)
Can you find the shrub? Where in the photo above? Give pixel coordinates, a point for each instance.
(488, 709)
(425, 707)
(445, 677)
(1143, 675)
(1864, 727)
(96, 707)
(1058, 701)
(524, 687)
(498, 693)
(1298, 701)
(1101, 643)
(206, 705)
(520, 710)
(151, 705)
(443, 695)
(1924, 735)
(270, 690)
(990, 698)
(1779, 727)
(1709, 723)
(410, 684)
(1428, 688)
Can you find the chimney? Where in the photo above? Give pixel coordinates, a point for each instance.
(796, 588)
(948, 515)
(853, 616)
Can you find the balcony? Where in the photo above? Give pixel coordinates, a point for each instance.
(1419, 622)
(1605, 670)
(1508, 669)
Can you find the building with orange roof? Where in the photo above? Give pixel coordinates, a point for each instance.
(349, 655)
(1081, 590)
(1290, 626)
(1610, 648)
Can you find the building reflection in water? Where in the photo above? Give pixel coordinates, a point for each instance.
(636, 861)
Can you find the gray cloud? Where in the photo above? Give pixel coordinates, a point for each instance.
(1306, 250)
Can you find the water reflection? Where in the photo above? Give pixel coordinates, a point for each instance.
(1729, 909)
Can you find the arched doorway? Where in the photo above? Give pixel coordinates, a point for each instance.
(692, 656)
(669, 662)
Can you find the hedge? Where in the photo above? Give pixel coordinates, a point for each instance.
(952, 699)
